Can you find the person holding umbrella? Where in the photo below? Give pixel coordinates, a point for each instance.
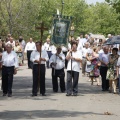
(39, 69)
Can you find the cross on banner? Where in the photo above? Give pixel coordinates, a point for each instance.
(42, 29)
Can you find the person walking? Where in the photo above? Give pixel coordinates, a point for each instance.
(9, 68)
(38, 69)
(104, 59)
(111, 74)
(74, 57)
(30, 46)
(57, 62)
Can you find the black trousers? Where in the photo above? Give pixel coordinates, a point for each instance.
(103, 73)
(28, 58)
(7, 79)
(38, 78)
(72, 86)
(55, 74)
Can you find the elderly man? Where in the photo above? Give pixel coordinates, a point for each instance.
(104, 59)
(85, 51)
(57, 62)
(11, 41)
(9, 68)
(47, 47)
(30, 46)
(39, 69)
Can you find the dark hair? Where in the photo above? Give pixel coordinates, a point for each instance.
(74, 42)
(38, 42)
(115, 49)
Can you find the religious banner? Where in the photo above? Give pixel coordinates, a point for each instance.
(60, 30)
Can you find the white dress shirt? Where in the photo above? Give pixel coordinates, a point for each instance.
(53, 49)
(35, 55)
(13, 43)
(30, 46)
(75, 64)
(47, 46)
(10, 59)
(85, 51)
(64, 49)
(60, 63)
(104, 57)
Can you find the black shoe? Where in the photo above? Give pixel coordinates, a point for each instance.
(103, 90)
(63, 91)
(74, 94)
(4, 94)
(9, 95)
(68, 94)
(44, 94)
(55, 91)
(33, 95)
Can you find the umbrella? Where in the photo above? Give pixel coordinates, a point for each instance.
(98, 36)
(108, 42)
(115, 40)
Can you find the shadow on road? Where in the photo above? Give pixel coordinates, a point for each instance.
(42, 114)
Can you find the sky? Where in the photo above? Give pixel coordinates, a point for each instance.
(94, 1)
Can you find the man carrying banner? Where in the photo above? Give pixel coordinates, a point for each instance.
(74, 57)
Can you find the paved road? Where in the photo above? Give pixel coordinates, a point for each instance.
(91, 104)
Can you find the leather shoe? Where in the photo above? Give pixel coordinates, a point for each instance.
(68, 94)
(33, 95)
(4, 94)
(44, 94)
(74, 94)
(9, 95)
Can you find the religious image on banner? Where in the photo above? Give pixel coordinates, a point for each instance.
(60, 30)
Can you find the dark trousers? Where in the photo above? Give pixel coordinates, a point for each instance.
(38, 78)
(66, 62)
(49, 55)
(72, 86)
(55, 74)
(103, 73)
(28, 58)
(7, 79)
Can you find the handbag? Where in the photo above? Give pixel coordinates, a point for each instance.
(110, 74)
(88, 63)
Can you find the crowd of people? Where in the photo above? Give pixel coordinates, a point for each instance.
(97, 61)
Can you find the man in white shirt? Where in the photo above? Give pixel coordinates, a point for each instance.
(9, 67)
(74, 58)
(104, 59)
(11, 41)
(57, 62)
(30, 46)
(47, 47)
(39, 69)
(22, 44)
(86, 50)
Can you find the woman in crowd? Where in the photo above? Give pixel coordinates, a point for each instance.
(118, 73)
(95, 66)
(18, 50)
(111, 73)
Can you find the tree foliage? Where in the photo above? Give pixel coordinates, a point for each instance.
(20, 17)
